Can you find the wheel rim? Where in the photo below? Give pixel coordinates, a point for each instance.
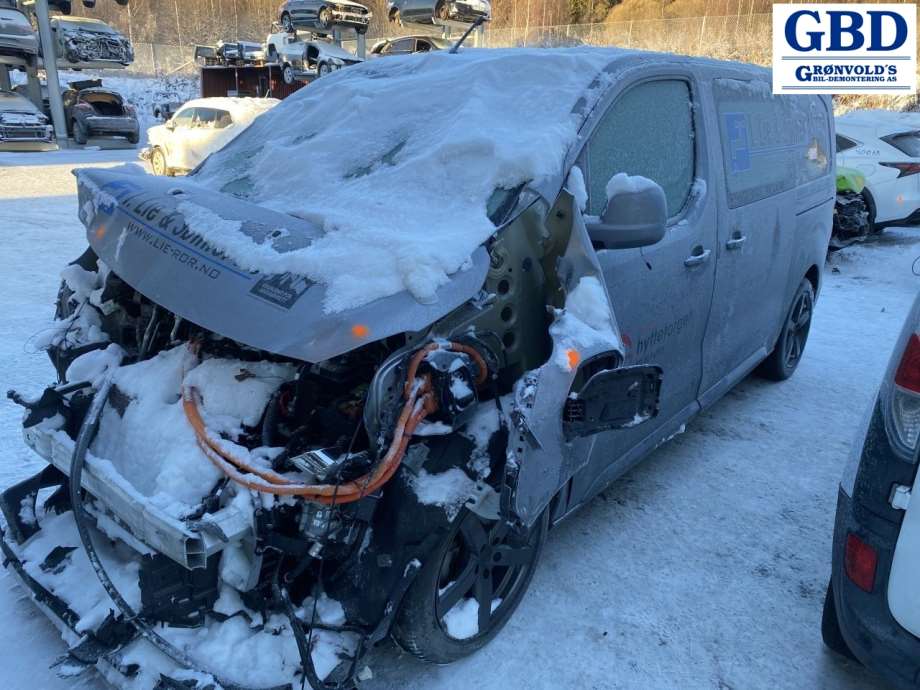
(797, 326)
(288, 75)
(485, 562)
(324, 18)
(159, 164)
(444, 10)
(286, 23)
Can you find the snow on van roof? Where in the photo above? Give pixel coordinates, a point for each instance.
(396, 160)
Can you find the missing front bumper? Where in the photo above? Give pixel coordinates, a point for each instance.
(188, 544)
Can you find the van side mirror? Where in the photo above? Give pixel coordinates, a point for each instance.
(170, 124)
(636, 214)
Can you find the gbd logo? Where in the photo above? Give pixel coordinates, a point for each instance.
(845, 30)
(844, 48)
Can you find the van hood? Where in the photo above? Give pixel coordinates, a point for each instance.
(144, 229)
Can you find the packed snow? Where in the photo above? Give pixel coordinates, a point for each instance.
(621, 183)
(704, 567)
(147, 437)
(371, 150)
(449, 489)
(585, 322)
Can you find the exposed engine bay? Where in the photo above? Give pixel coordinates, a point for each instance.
(220, 492)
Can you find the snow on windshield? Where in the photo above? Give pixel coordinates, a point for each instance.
(396, 160)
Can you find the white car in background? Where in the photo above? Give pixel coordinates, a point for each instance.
(885, 147)
(301, 58)
(198, 129)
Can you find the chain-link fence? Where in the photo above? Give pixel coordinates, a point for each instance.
(745, 37)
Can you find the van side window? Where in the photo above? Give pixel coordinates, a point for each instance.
(770, 144)
(647, 131)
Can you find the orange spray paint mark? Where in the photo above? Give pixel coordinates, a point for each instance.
(359, 330)
(574, 357)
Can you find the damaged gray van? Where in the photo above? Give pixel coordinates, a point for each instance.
(293, 420)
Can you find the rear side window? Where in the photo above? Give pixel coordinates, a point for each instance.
(844, 144)
(770, 144)
(647, 131)
(907, 143)
(402, 46)
(212, 118)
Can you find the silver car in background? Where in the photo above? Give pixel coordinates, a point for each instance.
(22, 125)
(85, 42)
(16, 34)
(323, 15)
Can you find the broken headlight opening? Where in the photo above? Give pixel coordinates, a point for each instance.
(288, 497)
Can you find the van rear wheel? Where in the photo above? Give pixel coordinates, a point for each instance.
(469, 588)
(783, 361)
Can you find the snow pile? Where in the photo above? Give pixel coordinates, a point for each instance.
(622, 183)
(449, 490)
(480, 429)
(585, 322)
(396, 161)
(94, 365)
(462, 621)
(146, 437)
(73, 578)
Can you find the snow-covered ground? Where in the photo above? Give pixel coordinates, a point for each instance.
(705, 567)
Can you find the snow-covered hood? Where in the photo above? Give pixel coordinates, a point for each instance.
(148, 231)
(396, 160)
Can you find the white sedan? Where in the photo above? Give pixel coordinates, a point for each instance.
(885, 147)
(198, 129)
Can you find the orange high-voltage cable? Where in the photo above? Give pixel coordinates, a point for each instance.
(420, 402)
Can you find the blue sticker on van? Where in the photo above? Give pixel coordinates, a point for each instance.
(739, 143)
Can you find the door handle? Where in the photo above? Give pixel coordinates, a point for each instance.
(735, 242)
(699, 256)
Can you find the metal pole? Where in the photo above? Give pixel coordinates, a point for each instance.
(49, 58)
(5, 78)
(361, 48)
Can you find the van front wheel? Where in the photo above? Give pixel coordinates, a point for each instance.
(783, 361)
(469, 588)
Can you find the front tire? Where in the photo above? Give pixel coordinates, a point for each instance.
(287, 23)
(325, 18)
(468, 589)
(324, 69)
(287, 75)
(158, 162)
(783, 361)
(442, 11)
